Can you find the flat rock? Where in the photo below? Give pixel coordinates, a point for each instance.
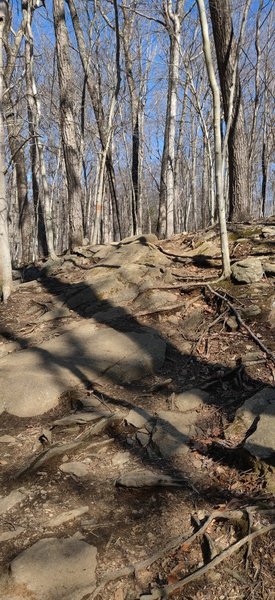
(5, 536)
(121, 458)
(65, 517)
(75, 468)
(258, 414)
(138, 417)
(145, 478)
(249, 270)
(55, 569)
(33, 380)
(190, 400)
(269, 268)
(268, 231)
(8, 502)
(7, 439)
(173, 431)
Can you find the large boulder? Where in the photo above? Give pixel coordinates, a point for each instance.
(52, 569)
(249, 270)
(32, 380)
(254, 424)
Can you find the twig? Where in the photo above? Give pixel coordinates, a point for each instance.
(241, 322)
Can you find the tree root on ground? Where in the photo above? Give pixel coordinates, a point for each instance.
(167, 590)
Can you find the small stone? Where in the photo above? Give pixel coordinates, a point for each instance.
(11, 500)
(75, 468)
(232, 323)
(9, 535)
(64, 517)
(138, 417)
(120, 458)
(190, 400)
(250, 311)
(143, 438)
(7, 439)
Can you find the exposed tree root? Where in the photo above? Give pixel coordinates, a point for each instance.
(133, 569)
(242, 323)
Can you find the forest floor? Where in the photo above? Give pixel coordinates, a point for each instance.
(208, 350)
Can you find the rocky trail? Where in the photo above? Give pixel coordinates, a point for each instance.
(137, 422)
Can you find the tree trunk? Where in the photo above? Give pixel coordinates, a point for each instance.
(68, 130)
(5, 257)
(99, 116)
(238, 159)
(217, 139)
(166, 202)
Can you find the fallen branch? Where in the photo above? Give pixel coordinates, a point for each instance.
(176, 587)
(242, 323)
(134, 568)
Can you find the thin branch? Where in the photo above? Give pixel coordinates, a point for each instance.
(241, 322)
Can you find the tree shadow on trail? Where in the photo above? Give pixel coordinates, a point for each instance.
(74, 364)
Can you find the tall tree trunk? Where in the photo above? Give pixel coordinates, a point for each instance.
(41, 197)
(68, 130)
(16, 142)
(217, 139)
(5, 256)
(173, 21)
(99, 116)
(238, 159)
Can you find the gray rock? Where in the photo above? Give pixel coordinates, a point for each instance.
(65, 517)
(232, 323)
(75, 468)
(143, 438)
(261, 443)
(268, 231)
(173, 431)
(7, 439)
(269, 268)
(252, 357)
(190, 400)
(138, 417)
(121, 458)
(5, 536)
(137, 479)
(249, 270)
(151, 300)
(250, 311)
(257, 412)
(33, 380)
(55, 569)
(11, 500)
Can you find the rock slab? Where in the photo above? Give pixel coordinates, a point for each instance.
(249, 270)
(55, 569)
(32, 380)
(173, 432)
(258, 414)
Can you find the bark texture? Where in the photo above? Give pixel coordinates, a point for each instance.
(238, 159)
(67, 125)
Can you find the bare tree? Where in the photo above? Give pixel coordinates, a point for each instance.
(68, 130)
(227, 59)
(102, 119)
(41, 196)
(217, 137)
(5, 257)
(172, 22)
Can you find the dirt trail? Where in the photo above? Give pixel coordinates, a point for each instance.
(70, 473)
